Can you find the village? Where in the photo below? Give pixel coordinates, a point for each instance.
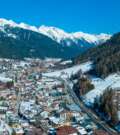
(34, 104)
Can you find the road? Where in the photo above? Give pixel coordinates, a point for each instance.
(85, 109)
(88, 111)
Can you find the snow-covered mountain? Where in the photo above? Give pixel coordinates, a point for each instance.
(60, 35)
(38, 41)
(4, 22)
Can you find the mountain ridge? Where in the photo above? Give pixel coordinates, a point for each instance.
(58, 34)
(14, 37)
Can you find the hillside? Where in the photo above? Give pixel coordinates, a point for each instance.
(20, 43)
(17, 42)
(106, 57)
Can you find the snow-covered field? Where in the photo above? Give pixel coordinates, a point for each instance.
(112, 81)
(69, 71)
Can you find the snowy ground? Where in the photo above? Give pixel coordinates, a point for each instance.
(4, 79)
(69, 71)
(112, 80)
(4, 127)
(100, 86)
(66, 62)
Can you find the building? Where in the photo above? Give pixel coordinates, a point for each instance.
(67, 130)
(100, 132)
(17, 129)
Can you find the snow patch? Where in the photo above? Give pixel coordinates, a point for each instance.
(112, 81)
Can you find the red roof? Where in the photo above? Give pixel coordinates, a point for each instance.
(66, 130)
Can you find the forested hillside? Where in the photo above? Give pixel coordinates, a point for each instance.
(106, 57)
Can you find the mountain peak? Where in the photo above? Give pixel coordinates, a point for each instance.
(5, 21)
(11, 23)
(92, 38)
(53, 32)
(29, 27)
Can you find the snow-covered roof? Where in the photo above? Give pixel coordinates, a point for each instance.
(4, 79)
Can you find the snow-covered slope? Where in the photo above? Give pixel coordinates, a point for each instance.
(4, 22)
(12, 24)
(60, 35)
(112, 81)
